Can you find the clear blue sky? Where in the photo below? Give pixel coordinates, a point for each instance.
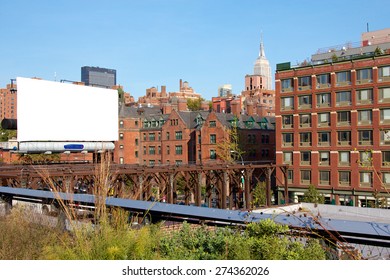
(157, 42)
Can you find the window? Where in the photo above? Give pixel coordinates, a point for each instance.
(213, 139)
(305, 158)
(159, 150)
(287, 157)
(168, 150)
(323, 100)
(385, 115)
(178, 135)
(287, 121)
(151, 162)
(385, 137)
(120, 136)
(287, 103)
(324, 177)
(365, 137)
(212, 124)
(121, 146)
(343, 78)
(121, 160)
(136, 154)
(290, 176)
(264, 138)
(167, 135)
(304, 102)
(323, 119)
(364, 96)
(386, 178)
(178, 162)
(144, 136)
(288, 139)
(365, 117)
(343, 98)
(213, 154)
(305, 120)
(305, 138)
(384, 73)
(144, 150)
(159, 136)
(305, 176)
(324, 158)
(152, 136)
(323, 138)
(304, 83)
(323, 81)
(178, 149)
(344, 138)
(365, 158)
(364, 76)
(136, 141)
(343, 118)
(386, 158)
(287, 85)
(345, 178)
(384, 95)
(344, 158)
(365, 179)
(152, 150)
(121, 124)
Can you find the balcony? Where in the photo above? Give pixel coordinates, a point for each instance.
(344, 123)
(287, 89)
(305, 144)
(305, 125)
(343, 84)
(363, 81)
(324, 144)
(323, 86)
(344, 183)
(302, 88)
(365, 143)
(384, 79)
(323, 105)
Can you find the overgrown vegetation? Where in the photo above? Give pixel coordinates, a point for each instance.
(110, 236)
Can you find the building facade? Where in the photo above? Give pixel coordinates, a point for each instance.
(333, 126)
(151, 136)
(99, 77)
(8, 102)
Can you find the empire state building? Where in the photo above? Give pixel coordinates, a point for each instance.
(262, 68)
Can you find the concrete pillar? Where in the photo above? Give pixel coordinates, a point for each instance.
(224, 187)
(140, 187)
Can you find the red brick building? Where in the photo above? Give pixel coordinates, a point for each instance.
(333, 123)
(8, 99)
(151, 135)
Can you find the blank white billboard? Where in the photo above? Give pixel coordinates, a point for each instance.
(53, 111)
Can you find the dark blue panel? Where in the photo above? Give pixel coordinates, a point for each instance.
(73, 146)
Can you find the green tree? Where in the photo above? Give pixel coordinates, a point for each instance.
(195, 104)
(312, 195)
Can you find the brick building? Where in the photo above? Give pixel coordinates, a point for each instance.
(333, 123)
(152, 135)
(8, 99)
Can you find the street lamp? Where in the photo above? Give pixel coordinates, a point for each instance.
(242, 160)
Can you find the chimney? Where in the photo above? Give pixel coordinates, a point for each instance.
(163, 91)
(235, 106)
(167, 109)
(182, 105)
(249, 108)
(181, 85)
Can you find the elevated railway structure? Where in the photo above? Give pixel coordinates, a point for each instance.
(219, 185)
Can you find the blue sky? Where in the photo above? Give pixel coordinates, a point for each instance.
(152, 43)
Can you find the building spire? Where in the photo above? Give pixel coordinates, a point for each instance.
(262, 52)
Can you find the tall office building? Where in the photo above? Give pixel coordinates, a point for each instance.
(333, 124)
(99, 77)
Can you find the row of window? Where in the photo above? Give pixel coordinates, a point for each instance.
(342, 78)
(344, 158)
(343, 177)
(343, 98)
(343, 118)
(365, 137)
